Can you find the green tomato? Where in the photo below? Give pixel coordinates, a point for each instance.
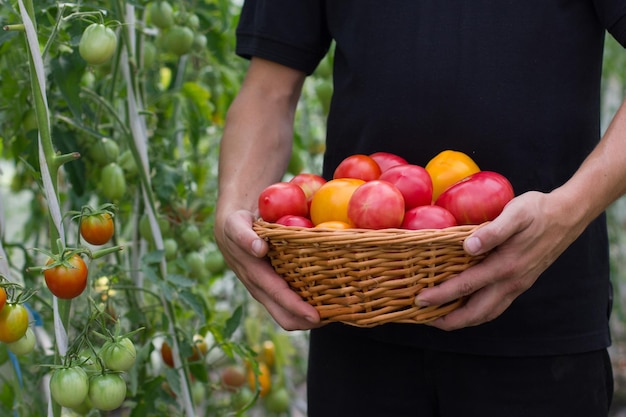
(119, 355)
(161, 14)
(178, 40)
(149, 54)
(195, 262)
(112, 182)
(97, 44)
(277, 400)
(214, 262)
(199, 42)
(127, 161)
(69, 386)
(25, 345)
(107, 391)
(104, 151)
(171, 248)
(191, 236)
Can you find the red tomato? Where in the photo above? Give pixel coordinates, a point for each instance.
(386, 160)
(428, 217)
(68, 278)
(358, 166)
(280, 199)
(97, 229)
(309, 183)
(167, 354)
(478, 198)
(376, 205)
(414, 183)
(291, 220)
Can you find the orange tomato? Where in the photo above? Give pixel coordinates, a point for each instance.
(330, 202)
(264, 377)
(333, 224)
(449, 167)
(3, 297)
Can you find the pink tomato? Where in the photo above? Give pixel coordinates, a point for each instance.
(357, 166)
(428, 217)
(414, 183)
(386, 160)
(376, 205)
(291, 220)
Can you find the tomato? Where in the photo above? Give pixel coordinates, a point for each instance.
(214, 262)
(97, 229)
(171, 248)
(161, 14)
(478, 198)
(428, 217)
(107, 391)
(13, 322)
(333, 224)
(358, 166)
(267, 353)
(448, 167)
(104, 151)
(199, 42)
(309, 183)
(376, 205)
(3, 297)
(127, 162)
(66, 278)
(277, 401)
(330, 202)
(69, 386)
(97, 44)
(191, 236)
(280, 199)
(414, 183)
(291, 220)
(178, 40)
(25, 345)
(112, 181)
(264, 379)
(199, 348)
(232, 377)
(195, 263)
(119, 355)
(386, 160)
(167, 354)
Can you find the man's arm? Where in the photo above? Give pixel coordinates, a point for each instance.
(255, 152)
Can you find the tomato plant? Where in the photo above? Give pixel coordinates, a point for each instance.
(97, 229)
(280, 199)
(448, 167)
(358, 166)
(107, 391)
(13, 322)
(66, 277)
(376, 204)
(119, 354)
(69, 386)
(330, 202)
(97, 44)
(478, 198)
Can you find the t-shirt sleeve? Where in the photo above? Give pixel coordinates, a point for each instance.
(288, 32)
(612, 14)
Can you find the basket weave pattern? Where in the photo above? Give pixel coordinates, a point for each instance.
(368, 277)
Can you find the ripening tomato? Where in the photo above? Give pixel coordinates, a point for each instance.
(448, 167)
(358, 166)
(428, 217)
(376, 204)
(264, 379)
(66, 278)
(3, 297)
(478, 198)
(24, 345)
(330, 202)
(386, 160)
(97, 229)
(13, 322)
(280, 199)
(414, 183)
(167, 354)
(233, 377)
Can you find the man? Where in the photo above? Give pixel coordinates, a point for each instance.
(513, 83)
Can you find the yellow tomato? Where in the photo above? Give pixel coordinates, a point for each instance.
(333, 224)
(449, 167)
(330, 201)
(264, 377)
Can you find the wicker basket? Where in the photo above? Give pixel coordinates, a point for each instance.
(367, 277)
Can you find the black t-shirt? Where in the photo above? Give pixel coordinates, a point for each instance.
(513, 83)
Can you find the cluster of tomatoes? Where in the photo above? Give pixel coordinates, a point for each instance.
(383, 190)
(95, 381)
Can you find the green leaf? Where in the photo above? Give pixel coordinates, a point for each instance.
(232, 323)
(195, 302)
(67, 71)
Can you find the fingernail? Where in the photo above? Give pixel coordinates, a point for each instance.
(310, 319)
(257, 247)
(421, 303)
(473, 245)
